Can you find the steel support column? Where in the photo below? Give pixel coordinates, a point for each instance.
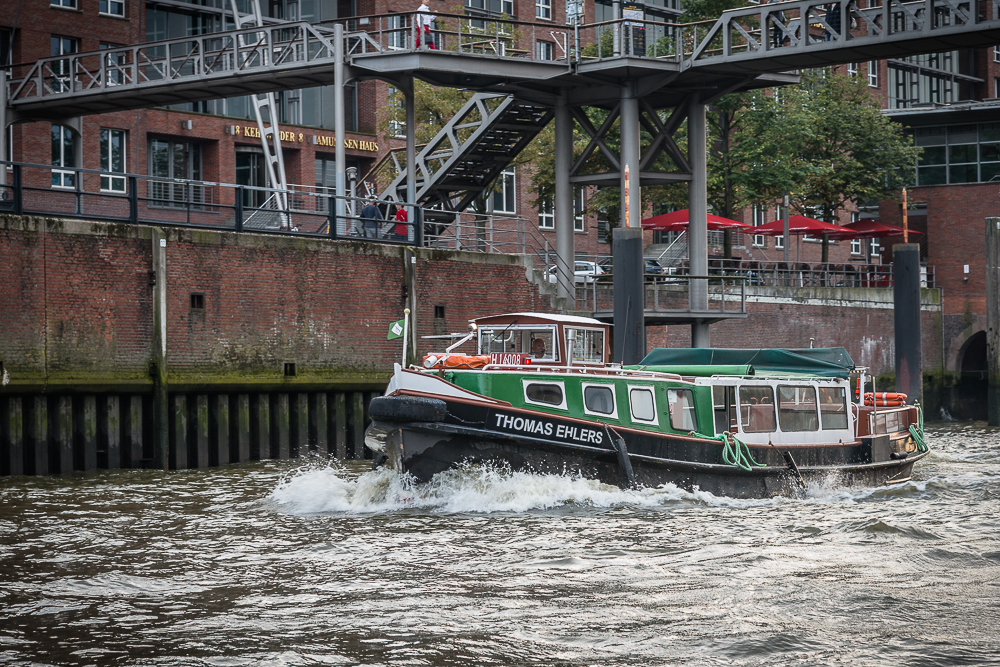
(698, 221)
(339, 125)
(631, 215)
(411, 159)
(630, 302)
(563, 204)
(3, 126)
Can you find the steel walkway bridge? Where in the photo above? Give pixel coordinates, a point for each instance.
(635, 69)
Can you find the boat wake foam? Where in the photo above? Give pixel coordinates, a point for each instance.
(485, 488)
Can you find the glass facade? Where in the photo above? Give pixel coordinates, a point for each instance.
(958, 154)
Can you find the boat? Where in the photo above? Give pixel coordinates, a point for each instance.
(539, 394)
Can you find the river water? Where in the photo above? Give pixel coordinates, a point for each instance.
(311, 563)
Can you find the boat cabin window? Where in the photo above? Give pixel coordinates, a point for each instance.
(545, 393)
(797, 408)
(724, 405)
(833, 407)
(585, 345)
(680, 402)
(539, 341)
(643, 404)
(757, 409)
(599, 399)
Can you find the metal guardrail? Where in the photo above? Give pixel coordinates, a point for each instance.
(727, 294)
(154, 200)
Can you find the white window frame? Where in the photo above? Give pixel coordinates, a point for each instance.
(67, 4)
(395, 33)
(397, 128)
(759, 218)
(113, 183)
(546, 215)
(67, 179)
(852, 69)
(545, 50)
(114, 8)
(856, 247)
(779, 242)
(996, 54)
(506, 190)
(652, 392)
(543, 9)
(614, 399)
(579, 206)
(873, 74)
(524, 390)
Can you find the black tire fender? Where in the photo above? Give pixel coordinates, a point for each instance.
(407, 409)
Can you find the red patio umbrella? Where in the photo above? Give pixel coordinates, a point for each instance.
(797, 225)
(869, 229)
(678, 220)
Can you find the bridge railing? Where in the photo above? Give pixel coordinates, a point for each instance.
(787, 27)
(469, 34)
(153, 63)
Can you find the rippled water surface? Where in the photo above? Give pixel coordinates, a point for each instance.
(301, 563)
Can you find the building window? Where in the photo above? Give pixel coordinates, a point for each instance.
(504, 199)
(114, 65)
(63, 3)
(996, 87)
(61, 46)
(873, 73)
(544, 51)
(543, 9)
(546, 215)
(63, 155)
(397, 124)
(958, 154)
(177, 160)
(759, 218)
(996, 54)
(852, 69)
(494, 7)
(396, 37)
(112, 7)
(579, 206)
(113, 159)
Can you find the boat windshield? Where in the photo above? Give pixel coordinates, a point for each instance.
(585, 345)
(538, 341)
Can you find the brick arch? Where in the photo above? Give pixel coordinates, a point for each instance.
(972, 355)
(956, 346)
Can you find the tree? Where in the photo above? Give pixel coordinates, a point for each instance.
(825, 141)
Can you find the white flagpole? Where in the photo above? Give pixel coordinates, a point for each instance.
(406, 322)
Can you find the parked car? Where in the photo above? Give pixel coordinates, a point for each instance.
(583, 272)
(652, 270)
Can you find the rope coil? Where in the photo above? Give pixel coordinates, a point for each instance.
(735, 452)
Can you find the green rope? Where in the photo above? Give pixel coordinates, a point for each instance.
(918, 431)
(733, 452)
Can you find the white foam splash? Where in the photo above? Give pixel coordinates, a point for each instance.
(491, 489)
(471, 488)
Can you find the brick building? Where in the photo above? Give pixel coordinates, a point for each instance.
(944, 97)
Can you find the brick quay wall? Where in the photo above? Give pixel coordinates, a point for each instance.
(275, 344)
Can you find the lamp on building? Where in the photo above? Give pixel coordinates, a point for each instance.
(186, 124)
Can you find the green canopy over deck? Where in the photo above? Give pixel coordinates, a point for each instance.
(822, 361)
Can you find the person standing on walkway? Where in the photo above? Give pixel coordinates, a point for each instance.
(424, 21)
(370, 215)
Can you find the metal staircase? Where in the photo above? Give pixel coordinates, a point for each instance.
(469, 153)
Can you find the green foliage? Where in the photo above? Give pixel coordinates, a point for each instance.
(824, 140)
(701, 10)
